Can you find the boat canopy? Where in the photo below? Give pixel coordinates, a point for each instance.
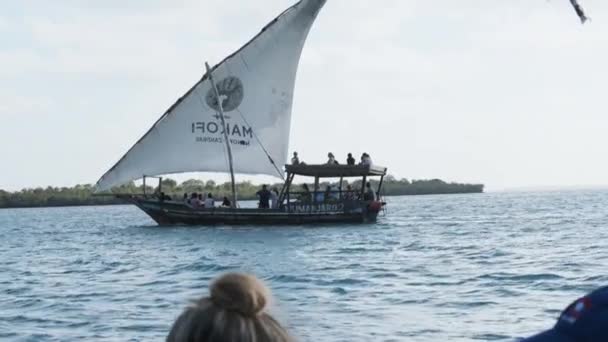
(334, 171)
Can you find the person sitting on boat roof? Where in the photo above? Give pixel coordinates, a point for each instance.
(370, 194)
(234, 310)
(365, 159)
(186, 200)
(209, 201)
(295, 160)
(332, 159)
(226, 203)
(201, 201)
(264, 196)
(350, 160)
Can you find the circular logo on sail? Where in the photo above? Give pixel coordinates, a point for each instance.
(231, 93)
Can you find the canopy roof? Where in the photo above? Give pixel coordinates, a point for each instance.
(329, 171)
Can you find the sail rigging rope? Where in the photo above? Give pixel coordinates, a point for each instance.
(279, 172)
(262, 146)
(254, 135)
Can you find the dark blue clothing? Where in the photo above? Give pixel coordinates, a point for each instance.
(264, 196)
(585, 320)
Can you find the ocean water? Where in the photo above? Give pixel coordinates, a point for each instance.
(490, 267)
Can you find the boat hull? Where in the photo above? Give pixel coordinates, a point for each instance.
(177, 213)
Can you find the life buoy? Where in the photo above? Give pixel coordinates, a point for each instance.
(375, 206)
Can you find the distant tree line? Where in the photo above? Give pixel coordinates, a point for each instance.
(84, 194)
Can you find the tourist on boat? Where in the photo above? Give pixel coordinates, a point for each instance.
(295, 160)
(334, 195)
(264, 196)
(186, 200)
(365, 159)
(165, 197)
(235, 310)
(274, 198)
(370, 194)
(226, 203)
(319, 196)
(209, 201)
(193, 200)
(201, 201)
(305, 196)
(585, 320)
(350, 160)
(331, 159)
(327, 194)
(349, 195)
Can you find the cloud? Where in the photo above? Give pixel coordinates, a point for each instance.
(502, 92)
(19, 105)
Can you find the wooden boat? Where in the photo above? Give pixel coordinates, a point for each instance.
(236, 119)
(294, 207)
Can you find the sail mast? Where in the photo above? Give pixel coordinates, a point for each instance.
(221, 111)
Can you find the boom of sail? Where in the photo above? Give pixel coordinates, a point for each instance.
(256, 87)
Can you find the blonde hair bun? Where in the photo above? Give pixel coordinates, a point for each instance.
(242, 293)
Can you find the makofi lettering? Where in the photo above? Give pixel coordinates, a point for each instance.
(215, 128)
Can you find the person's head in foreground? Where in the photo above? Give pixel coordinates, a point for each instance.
(234, 311)
(585, 320)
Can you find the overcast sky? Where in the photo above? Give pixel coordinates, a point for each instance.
(510, 93)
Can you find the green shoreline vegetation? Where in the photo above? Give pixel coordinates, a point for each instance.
(83, 195)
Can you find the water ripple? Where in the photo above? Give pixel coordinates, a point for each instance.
(492, 267)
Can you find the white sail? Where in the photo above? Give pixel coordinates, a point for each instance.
(256, 84)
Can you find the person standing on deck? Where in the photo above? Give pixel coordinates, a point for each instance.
(274, 198)
(349, 194)
(306, 196)
(264, 196)
(370, 194)
(350, 160)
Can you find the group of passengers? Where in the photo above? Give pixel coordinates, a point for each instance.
(332, 195)
(350, 160)
(268, 198)
(196, 200)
